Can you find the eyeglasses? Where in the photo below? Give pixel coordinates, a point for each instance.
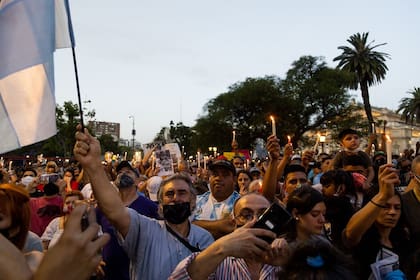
(247, 215)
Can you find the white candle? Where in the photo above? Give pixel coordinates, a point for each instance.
(233, 136)
(273, 125)
(205, 162)
(289, 139)
(317, 142)
(198, 160)
(153, 160)
(388, 149)
(10, 165)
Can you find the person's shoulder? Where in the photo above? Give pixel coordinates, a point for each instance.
(204, 196)
(200, 232)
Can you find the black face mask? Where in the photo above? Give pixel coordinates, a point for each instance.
(176, 213)
(125, 181)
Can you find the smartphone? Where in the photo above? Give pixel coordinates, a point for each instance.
(275, 218)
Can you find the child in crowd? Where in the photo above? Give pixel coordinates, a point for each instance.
(350, 142)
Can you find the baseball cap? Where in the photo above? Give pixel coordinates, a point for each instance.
(296, 157)
(254, 169)
(221, 163)
(126, 164)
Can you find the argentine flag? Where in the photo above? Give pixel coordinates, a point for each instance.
(30, 31)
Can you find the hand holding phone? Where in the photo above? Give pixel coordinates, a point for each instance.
(275, 219)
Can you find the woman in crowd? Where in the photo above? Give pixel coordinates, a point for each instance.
(378, 226)
(243, 180)
(316, 259)
(15, 215)
(56, 227)
(71, 183)
(307, 207)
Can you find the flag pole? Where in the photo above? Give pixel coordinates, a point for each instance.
(76, 73)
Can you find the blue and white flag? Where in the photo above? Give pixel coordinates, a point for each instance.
(30, 31)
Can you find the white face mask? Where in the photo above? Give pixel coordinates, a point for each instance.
(27, 180)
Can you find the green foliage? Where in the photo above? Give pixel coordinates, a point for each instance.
(410, 107)
(108, 144)
(366, 66)
(311, 96)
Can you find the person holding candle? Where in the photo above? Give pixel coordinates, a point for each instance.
(378, 227)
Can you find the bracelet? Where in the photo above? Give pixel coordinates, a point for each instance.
(377, 204)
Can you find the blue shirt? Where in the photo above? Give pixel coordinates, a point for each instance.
(116, 260)
(153, 251)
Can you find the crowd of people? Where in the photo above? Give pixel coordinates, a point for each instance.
(347, 215)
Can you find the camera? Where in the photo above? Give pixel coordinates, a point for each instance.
(276, 219)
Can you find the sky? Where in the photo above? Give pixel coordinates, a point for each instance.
(164, 60)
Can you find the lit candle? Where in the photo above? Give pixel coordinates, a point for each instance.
(233, 136)
(273, 125)
(198, 160)
(10, 165)
(289, 139)
(205, 162)
(153, 160)
(388, 149)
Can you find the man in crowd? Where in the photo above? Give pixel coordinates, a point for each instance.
(116, 260)
(153, 247)
(411, 203)
(214, 207)
(242, 254)
(294, 177)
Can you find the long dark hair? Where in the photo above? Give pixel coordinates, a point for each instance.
(302, 199)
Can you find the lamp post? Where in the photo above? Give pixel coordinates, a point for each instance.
(133, 131)
(214, 150)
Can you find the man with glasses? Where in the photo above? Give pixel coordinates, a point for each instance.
(242, 254)
(214, 208)
(411, 203)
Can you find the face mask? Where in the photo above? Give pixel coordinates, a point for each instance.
(27, 180)
(176, 213)
(124, 181)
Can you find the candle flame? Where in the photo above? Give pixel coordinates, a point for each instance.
(388, 139)
(272, 118)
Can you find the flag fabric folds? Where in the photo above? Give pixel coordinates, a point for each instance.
(30, 31)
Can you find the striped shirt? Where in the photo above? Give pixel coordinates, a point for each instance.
(230, 268)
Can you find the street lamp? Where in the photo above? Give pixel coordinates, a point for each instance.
(214, 150)
(133, 131)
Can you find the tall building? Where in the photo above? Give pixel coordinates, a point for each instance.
(101, 128)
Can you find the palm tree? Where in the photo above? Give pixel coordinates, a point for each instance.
(366, 65)
(410, 107)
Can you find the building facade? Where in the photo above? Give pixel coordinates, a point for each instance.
(100, 128)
